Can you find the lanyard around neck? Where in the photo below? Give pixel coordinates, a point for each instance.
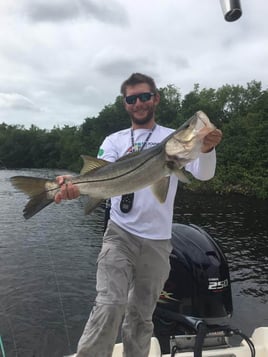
(146, 140)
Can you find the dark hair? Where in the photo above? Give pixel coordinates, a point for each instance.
(137, 78)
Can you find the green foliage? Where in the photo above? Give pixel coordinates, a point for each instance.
(240, 112)
(93, 131)
(168, 112)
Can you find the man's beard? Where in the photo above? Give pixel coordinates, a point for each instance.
(143, 121)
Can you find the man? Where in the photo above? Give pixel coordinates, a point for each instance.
(133, 264)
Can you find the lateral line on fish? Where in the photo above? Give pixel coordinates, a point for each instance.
(106, 179)
(102, 179)
(132, 172)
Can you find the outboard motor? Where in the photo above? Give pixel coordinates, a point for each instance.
(196, 296)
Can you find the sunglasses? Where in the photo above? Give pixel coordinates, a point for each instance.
(143, 97)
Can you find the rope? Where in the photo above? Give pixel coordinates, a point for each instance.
(2, 347)
(2, 350)
(60, 296)
(247, 339)
(174, 350)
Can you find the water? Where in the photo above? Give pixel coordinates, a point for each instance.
(47, 265)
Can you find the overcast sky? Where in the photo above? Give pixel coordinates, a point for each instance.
(64, 60)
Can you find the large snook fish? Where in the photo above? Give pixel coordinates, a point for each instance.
(100, 179)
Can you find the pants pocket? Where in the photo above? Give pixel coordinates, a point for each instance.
(102, 277)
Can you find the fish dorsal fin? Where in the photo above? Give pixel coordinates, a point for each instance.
(160, 189)
(92, 163)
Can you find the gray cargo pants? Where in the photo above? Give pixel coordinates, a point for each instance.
(131, 274)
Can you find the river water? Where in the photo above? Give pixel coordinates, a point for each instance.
(47, 264)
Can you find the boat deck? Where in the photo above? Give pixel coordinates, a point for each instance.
(259, 339)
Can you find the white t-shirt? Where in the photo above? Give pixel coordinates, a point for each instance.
(149, 218)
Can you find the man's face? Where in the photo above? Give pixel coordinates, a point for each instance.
(141, 112)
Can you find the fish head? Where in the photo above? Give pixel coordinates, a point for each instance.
(186, 142)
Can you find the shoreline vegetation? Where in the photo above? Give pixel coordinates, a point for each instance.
(240, 112)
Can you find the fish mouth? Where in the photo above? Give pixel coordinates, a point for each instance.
(190, 136)
(203, 117)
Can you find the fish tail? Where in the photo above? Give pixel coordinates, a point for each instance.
(37, 189)
(36, 204)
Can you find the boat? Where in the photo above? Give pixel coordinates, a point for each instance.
(192, 316)
(259, 339)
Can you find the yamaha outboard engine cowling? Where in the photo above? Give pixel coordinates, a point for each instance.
(198, 287)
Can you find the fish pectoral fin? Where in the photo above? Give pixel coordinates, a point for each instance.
(160, 189)
(176, 169)
(91, 204)
(180, 175)
(92, 163)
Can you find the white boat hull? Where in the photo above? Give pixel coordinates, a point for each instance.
(259, 339)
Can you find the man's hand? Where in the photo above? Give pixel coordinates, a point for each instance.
(68, 191)
(211, 140)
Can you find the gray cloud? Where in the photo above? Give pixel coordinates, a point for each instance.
(64, 60)
(51, 11)
(180, 62)
(110, 12)
(124, 66)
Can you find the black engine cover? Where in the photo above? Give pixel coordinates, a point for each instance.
(198, 285)
(199, 282)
